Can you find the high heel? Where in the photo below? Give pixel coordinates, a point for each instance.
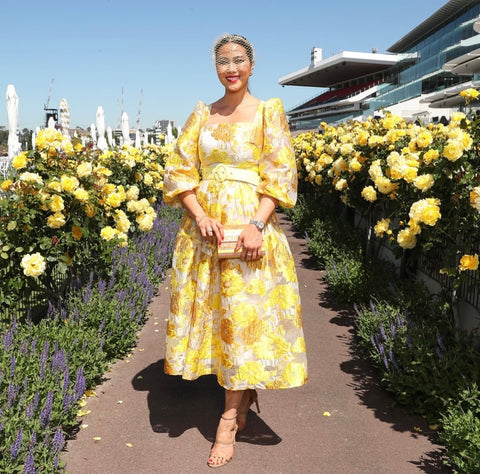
(251, 397)
(218, 460)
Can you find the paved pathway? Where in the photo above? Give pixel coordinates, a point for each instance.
(150, 423)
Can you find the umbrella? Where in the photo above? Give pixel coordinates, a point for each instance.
(110, 136)
(125, 130)
(51, 122)
(138, 143)
(169, 138)
(102, 143)
(93, 134)
(145, 138)
(12, 113)
(64, 116)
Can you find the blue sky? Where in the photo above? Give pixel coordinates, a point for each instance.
(93, 49)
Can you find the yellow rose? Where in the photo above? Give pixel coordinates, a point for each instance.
(475, 198)
(113, 200)
(108, 233)
(56, 204)
(122, 222)
(69, 183)
(424, 182)
(20, 161)
(354, 165)
(84, 169)
(132, 193)
(406, 239)
(426, 211)
(33, 264)
(468, 262)
(453, 150)
(102, 171)
(469, 94)
(341, 184)
(381, 227)
(369, 193)
(384, 185)
(31, 178)
(55, 221)
(55, 186)
(430, 155)
(346, 149)
(6, 185)
(48, 138)
(142, 205)
(409, 174)
(147, 179)
(81, 194)
(145, 222)
(414, 227)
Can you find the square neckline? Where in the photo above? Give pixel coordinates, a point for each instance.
(209, 108)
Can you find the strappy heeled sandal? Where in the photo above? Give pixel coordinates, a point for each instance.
(219, 460)
(251, 396)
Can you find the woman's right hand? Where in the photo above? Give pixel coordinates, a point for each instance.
(210, 228)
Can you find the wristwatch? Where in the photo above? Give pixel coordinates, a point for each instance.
(260, 225)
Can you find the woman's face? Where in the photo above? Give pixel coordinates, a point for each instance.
(233, 66)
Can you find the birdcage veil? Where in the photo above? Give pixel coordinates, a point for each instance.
(226, 38)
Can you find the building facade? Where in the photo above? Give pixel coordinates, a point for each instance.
(419, 78)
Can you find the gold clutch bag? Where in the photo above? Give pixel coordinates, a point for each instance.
(230, 237)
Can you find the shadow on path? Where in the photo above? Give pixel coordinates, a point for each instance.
(367, 387)
(176, 405)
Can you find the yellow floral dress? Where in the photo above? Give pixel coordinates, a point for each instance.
(238, 320)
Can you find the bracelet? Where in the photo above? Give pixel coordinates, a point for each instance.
(200, 220)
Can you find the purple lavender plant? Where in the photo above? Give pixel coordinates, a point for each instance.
(29, 466)
(80, 383)
(58, 441)
(46, 412)
(383, 355)
(8, 339)
(17, 444)
(392, 358)
(440, 342)
(12, 366)
(382, 331)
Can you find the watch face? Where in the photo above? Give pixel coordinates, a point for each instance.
(258, 224)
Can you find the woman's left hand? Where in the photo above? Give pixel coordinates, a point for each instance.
(250, 243)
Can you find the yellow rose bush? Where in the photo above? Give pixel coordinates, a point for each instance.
(424, 180)
(66, 206)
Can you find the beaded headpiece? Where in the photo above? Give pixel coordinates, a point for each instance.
(227, 38)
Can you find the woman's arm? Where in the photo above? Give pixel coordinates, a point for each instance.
(251, 238)
(204, 222)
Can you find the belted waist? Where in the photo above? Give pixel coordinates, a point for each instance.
(230, 173)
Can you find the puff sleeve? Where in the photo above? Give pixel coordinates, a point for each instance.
(182, 166)
(277, 167)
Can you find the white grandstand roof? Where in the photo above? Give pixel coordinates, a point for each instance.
(339, 68)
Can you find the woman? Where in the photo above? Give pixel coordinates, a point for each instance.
(237, 318)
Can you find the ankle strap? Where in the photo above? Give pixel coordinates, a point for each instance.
(228, 419)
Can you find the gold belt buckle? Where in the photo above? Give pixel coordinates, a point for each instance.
(220, 173)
